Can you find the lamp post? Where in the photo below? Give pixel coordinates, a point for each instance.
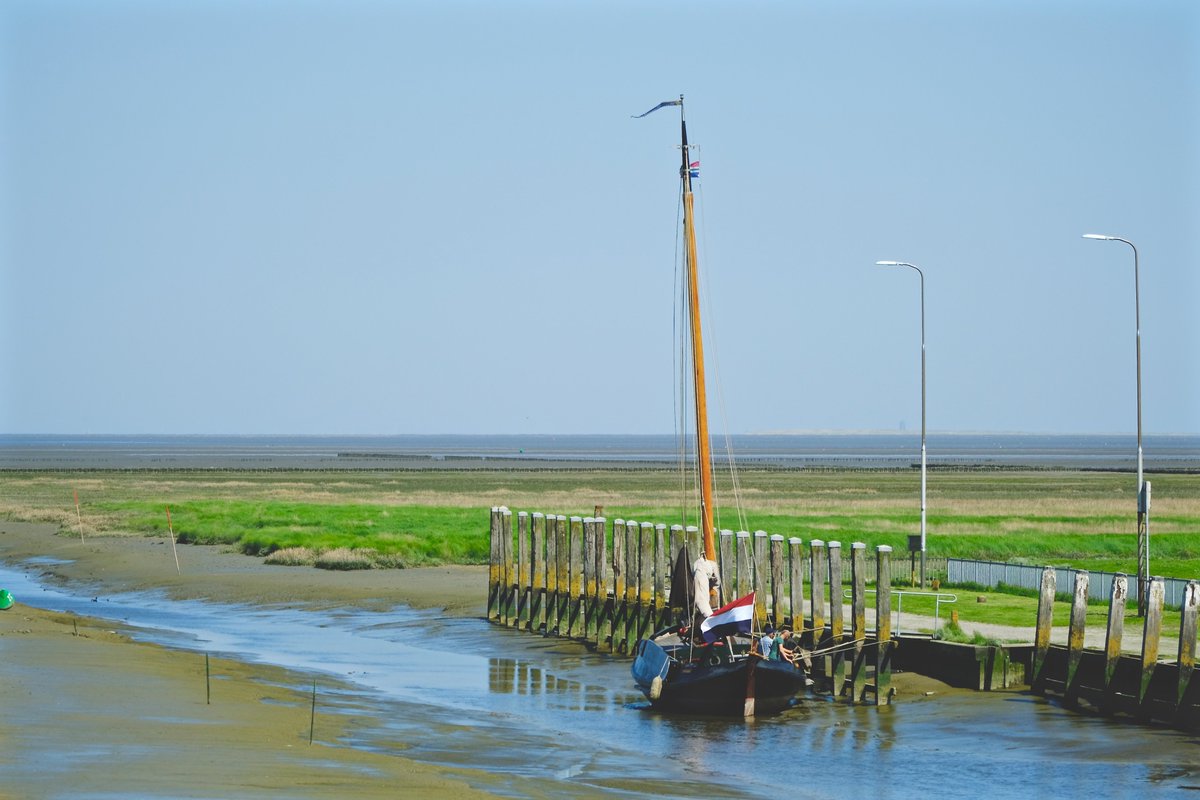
(1143, 489)
(922, 274)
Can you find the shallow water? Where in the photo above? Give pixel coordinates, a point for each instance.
(551, 718)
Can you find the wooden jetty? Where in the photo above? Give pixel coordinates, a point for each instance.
(608, 586)
(1109, 681)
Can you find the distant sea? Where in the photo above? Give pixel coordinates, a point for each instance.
(846, 450)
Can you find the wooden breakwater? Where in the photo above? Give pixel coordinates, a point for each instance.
(1108, 681)
(609, 586)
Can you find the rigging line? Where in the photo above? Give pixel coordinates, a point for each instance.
(686, 407)
(735, 481)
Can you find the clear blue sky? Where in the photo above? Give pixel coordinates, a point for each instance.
(438, 217)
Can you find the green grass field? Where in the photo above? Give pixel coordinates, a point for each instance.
(419, 517)
(1081, 519)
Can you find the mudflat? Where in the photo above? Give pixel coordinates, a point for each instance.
(87, 710)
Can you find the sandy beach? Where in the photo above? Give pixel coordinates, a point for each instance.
(90, 712)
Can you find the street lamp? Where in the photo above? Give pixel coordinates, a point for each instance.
(922, 274)
(1143, 489)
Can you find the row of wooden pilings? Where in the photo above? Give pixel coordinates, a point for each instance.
(558, 578)
(1107, 680)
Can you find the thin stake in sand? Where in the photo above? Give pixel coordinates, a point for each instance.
(78, 515)
(172, 532)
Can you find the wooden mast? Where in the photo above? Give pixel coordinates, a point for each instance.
(703, 445)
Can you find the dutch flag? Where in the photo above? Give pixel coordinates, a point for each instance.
(736, 617)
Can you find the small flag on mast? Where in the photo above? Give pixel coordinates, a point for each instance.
(694, 169)
(663, 104)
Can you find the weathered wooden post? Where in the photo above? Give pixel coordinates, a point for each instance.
(521, 620)
(1112, 639)
(537, 587)
(645, 597)
(726, 566)
(1075, 632)
(1187, 642)
(617, 625)
(562, 533)
(777, 571)
(796, 586)
(661, 571)
(1151, 631)
(744, 569)
(551, 575)
(762, 574)
(816, 589)
(1041, 636)
(677, 605)
(574, 625)
(883, 625)
(695, 547)
(633, 569)
(837, 668)
(508, 572)
(494, 561)
(589, 579)
(602, 632)
(858, 620)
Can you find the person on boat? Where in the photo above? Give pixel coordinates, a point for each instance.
(784, 647)
(767, 643)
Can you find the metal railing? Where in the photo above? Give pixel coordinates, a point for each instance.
(993, 573)
(938, 599)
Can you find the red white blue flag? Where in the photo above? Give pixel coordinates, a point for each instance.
(736, 617)
(694, 169)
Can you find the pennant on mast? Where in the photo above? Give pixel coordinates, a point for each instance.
(663, 104)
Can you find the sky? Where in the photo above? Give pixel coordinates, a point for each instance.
(439, 217)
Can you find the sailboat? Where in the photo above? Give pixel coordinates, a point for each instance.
(707, 665)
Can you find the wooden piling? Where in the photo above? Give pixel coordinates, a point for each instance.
(589, 579)
(677, 606)
(537, 581)
(661, 570)
(762, 574)
(645, 595)
(575, 620)
(1151, 632)
(521, 618)
(816, 589)
(562, 547)
(602, 633)
(744, 567)
(1187, 641)
(616, 633)
(1075, 632)
(1041, 636)
(858, 620)
(633, 568)
(883, 625)
(494, 562)
(796, 585)
(1112, 638)
(837, 666)
(508, 572)
(551, 625)
(777, 586)
(727, 567)
(695, 546)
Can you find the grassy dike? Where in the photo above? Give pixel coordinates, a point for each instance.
(428, 517)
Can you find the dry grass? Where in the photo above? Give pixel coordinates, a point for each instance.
(293, 557)
(346, 558)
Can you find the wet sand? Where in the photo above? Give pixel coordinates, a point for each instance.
(89, 711)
